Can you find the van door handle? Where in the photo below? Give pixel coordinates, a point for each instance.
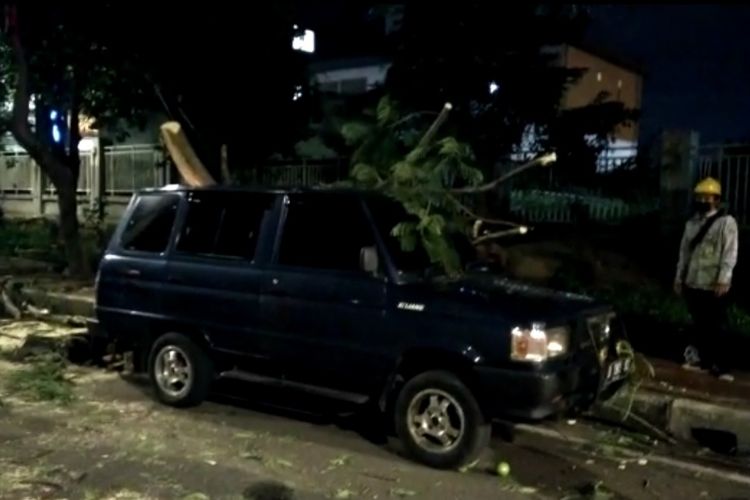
(133, 273)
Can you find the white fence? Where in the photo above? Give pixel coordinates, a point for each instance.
(26, 192)
(111, 174)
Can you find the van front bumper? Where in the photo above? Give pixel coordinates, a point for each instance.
(535, 395)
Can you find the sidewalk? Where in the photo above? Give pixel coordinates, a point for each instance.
(672, 379)
(697, 407)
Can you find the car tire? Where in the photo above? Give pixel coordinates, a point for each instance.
(439, 421)
(180, 371)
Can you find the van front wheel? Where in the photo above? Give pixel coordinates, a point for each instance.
(181, 372)
(439, 421)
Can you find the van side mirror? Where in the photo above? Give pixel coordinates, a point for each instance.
(368, 260)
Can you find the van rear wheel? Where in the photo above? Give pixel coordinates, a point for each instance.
(439, 421)
(180, 371)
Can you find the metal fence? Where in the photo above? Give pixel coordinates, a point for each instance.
(303, 174)
(85, 176)
(110, 176)
(132, 167)
(730, 164)
(537, 206)
(16, 173)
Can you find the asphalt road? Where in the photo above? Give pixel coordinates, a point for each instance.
(117, 443)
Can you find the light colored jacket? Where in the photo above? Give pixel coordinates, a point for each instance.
(713, 260)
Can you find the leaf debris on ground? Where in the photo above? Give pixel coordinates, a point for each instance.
(403, 493)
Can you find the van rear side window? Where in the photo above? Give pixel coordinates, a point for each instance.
(223, 225)
(150, 225)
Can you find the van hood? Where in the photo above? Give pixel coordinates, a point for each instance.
(513, 300)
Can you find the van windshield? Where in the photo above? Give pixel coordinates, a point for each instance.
(387, 213)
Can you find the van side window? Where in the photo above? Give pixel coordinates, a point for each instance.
(325, 232)
(223, 224)
(150, 225)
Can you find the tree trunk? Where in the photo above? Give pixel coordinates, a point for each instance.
(67, 203)
(63, 177)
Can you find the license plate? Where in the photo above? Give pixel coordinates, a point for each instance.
(618, 370)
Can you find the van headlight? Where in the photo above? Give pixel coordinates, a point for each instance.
(537, 344)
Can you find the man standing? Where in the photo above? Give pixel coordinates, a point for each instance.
(708, 255)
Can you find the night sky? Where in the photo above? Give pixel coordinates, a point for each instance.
(696, 58)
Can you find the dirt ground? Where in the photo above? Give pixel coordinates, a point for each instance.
(115, 442)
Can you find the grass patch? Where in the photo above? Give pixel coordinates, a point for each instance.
(43, 379)
(19, 237)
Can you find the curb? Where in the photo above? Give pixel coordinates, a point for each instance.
(62, 303)
(685, 418)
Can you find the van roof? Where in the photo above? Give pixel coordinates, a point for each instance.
(254, 189)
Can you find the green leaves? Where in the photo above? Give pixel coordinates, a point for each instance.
(420, 178)
(354, 133)
(433, 224)
(406, 232)
(386, 112)
(365, 175)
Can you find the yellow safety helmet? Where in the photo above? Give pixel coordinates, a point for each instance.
(709, 186)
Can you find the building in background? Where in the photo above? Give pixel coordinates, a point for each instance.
(604, 75)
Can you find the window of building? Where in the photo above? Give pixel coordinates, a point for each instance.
(223, 224)
(150, 226)
(325, 232)
(598, 76)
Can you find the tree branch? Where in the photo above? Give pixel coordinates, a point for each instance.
(411, 116)
(476, 216)
(541, 161)
(430, 134)
(500, 234)
(20, 118)
(74, 134)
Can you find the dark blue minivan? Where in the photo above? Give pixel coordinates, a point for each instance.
(308, 290)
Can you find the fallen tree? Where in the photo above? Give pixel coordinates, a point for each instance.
(433, 177)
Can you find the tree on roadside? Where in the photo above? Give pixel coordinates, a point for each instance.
(67, 67)
(188, 63)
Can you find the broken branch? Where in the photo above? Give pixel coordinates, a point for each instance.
(541, 161)
(10, 307)
(189, 165)
(500, 234)
(430, 134)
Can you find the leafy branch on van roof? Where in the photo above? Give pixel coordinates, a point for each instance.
(434, 177)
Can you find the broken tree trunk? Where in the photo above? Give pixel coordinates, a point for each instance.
(10, 307)
(190, 167)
